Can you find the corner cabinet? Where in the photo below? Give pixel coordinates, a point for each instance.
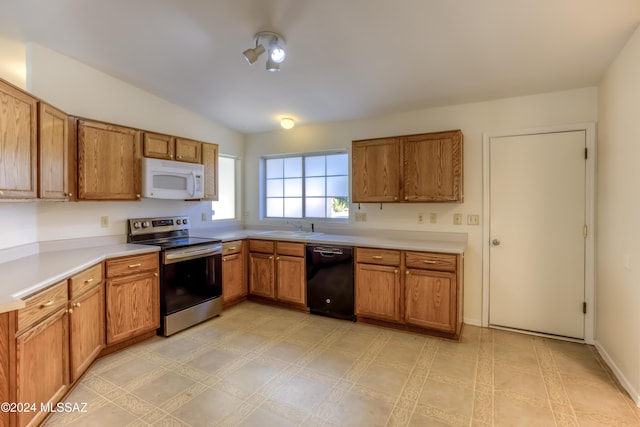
(108, 161)
(18, 143)
(411, 168)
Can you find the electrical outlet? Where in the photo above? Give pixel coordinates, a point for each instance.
(104, 221)
(457, 218)
(433, 217)
(420, 217)
(473, 219)
(361, 216)
(203, 217)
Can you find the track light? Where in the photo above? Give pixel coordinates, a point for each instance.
(275, 43)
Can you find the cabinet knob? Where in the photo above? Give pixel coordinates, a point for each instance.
(224, 259)
(155, 274)
(70, 194)
(76, 305)
(137, 196)
(178, 157)
(270, 257)
(277, 258)
(1, 192)
(406, 197)
(395, 198)
(406, 272)
(395, 271)
(70, 311)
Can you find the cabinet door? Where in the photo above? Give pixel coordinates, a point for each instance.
(233, 277)
(376, 170)
(378, 292)
(132, 305)
(431, 299)
(86, 330)
(158, 145)
(210, 162)
(188, 150)
(108, 162)
(433, 167)
(53, 152)
(42, 365)
(292, 285)
(262, 278)
(18, 144)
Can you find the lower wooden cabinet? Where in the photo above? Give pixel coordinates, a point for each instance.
(262, 275)
(86, 330)
(377, 290)
(430, 299)
(42, 366)
(291, 279)
(234, 277)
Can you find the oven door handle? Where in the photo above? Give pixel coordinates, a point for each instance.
(184, 254)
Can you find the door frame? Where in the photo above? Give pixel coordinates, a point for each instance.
(590, 210)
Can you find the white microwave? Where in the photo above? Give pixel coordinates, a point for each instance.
(167, 179)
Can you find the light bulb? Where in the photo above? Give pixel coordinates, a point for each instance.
(287, 123)
(277, 54)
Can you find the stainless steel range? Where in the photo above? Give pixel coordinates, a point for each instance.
(190, 271)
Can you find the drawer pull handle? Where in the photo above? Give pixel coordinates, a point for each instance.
(232, 248)
(89, 280)
(135, 265)
(430, 262)
(376, 256)
(47, 304)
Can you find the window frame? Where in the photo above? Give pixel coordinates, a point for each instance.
(303, 155)
(237, 196)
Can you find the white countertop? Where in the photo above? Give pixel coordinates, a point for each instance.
(24, 276)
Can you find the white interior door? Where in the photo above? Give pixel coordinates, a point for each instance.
(537, 220)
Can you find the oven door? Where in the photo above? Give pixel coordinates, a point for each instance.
(190, 276)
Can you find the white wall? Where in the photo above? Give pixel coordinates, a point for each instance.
(83, 91)
(618, 238)
(565, 107)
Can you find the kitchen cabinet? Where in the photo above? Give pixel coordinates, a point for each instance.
(53, 147)
(378, 285)
(376, 170)
(42, 352)
(6, 364)
(433, 299)
(291, 285)
(108, 162)
(188, 150)
(234, 277)
(411, 168)
(262, 268)
(210, 162)
(86, 319)
(18, 143)
(132, 301)
(158, 146)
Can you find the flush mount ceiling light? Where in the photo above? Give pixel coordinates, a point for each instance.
(287, 123)
(275, 45)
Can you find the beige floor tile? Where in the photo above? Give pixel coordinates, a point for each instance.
(129, 371)
(286, 351)
(603, 398)
(332, 363)
(452, 399)
(178, 347)
(207, 408)
(212, 361)
(108, 415)
(459, 367)
(302, 392)
(251, 376)
(512, 412)
(511, 379)
(263, 418)
(388, 380)
(163, 388)
(420, 420)
(356, 410)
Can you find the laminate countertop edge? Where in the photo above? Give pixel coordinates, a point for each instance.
(22, 277)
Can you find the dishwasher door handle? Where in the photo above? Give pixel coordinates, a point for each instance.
(328, 252)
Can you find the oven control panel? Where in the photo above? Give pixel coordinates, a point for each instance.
(139, 226)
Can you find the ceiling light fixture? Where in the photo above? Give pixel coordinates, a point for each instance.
(287, 123)
(274, 42)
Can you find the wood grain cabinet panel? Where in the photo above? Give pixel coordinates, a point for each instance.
(108, 162)
(262, 275)
(376, 170)
(291, 282)
(377, 292)
(188, 150)
(431, 299)
(41, 305)
(234, 267)
(210, 162)
(158, 146)
(86, 329)
(18, 143)
(42, 365)
(53, 147)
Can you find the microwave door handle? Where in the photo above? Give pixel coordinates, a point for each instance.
(193, 184)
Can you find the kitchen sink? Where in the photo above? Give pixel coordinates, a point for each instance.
(289, 233)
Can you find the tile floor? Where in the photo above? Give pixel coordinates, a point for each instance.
(264, 366)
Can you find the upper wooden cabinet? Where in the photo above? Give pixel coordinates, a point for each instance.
(188, 150)
(158, 146)
(412, 168)
(53, 149)
(108, 162)
(210, 162)
(18, 143)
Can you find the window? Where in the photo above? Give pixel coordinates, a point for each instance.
(307, 186)
(225, 207)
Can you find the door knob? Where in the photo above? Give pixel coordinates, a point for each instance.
(495, 242)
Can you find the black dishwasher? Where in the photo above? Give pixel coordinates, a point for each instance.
(330, 281)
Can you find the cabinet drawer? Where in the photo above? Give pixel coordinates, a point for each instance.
(85, 280)
(234, 247)
(264, 246)
(431, 261)
(132, 265)
(289, 248)
(42, 305)
(378, 256)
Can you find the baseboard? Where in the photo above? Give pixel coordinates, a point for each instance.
(618, 373)
(473, 322)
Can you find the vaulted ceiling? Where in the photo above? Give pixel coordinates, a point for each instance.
(346, 59)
